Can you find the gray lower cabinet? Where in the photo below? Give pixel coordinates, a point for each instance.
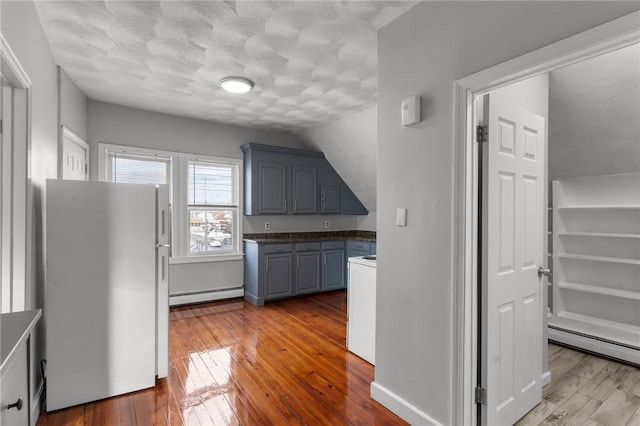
(278, 278)
(334, 265)
(277, 271)
(307, 275)
(360, 248)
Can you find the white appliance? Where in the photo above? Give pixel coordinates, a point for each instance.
(107, 289)
(361, 307)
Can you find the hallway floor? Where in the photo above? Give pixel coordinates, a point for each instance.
(587, 390)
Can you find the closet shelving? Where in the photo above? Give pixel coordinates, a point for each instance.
(596, 264)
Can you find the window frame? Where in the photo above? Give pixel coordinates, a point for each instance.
(178, 190)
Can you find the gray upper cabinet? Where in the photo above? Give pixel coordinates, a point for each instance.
(305, 190)
(329, 199)
(273, 188)
(292, 181)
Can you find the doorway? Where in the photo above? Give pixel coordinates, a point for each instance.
(605, 38)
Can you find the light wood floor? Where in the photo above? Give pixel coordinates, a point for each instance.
(587, 390)
(234, 364)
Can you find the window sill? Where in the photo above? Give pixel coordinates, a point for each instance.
(204, 259)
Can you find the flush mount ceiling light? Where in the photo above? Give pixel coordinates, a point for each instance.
(236, 84)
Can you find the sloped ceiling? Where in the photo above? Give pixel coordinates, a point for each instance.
(594, 116)
(311, 61)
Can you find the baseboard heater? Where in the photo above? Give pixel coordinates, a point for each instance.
(200, 296)
(595, 344)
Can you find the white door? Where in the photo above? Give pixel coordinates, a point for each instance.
(512, 217)
(75, 156)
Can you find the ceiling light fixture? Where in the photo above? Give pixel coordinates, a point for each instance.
(236, 84)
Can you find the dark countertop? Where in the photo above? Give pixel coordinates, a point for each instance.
(298, 237)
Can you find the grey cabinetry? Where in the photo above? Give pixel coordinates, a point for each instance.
(333, 265)
(329, 199)
(277, 269)
(272, 181)
(305, 189)
(307, 263)
(291, 181)
(359, 248)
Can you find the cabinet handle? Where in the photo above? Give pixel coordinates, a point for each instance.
(285, 204)
(295, 205)
(17, 404)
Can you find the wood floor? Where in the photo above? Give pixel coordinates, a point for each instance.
(232, 363)
(286, 364)
(587, 390)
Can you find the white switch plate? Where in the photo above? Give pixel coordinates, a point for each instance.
(267, 225)
(401, 217)
(326, 223)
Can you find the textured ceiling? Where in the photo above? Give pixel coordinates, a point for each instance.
(311, 61)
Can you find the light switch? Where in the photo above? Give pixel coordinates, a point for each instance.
(401, 217)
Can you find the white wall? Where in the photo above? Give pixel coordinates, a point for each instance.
(20, 26)
(422, 53)
(350, 145)
(594, 116)
(73, 106)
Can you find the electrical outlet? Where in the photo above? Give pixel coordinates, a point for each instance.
(267, 225)
(326, 223)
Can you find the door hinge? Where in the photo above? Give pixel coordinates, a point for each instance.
(482, 133)
(481, 396)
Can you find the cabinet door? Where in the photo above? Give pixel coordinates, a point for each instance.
(305, 184)
(358, 248)
(278, 279)
(15, 387)
(307, 272)
(329, 199)
(272, 191)
(334, 269)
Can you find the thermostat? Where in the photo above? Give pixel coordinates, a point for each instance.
(411, 111)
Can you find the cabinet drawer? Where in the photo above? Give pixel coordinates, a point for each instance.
(278, 248)
(14, 377)
(331, 245)
(307, 246)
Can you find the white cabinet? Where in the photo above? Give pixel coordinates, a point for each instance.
(15, 392)
(596, 264)
(361, 308)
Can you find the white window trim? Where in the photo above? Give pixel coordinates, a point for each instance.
(179, 199)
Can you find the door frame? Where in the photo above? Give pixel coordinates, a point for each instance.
(596, 41)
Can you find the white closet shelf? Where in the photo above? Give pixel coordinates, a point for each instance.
(598, 234)
(624, 294)
(599, 258)
(600, 207)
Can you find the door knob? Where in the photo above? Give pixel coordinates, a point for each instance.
(543, 271)
(17, 404)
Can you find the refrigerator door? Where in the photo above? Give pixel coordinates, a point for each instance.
(100, 290)
(163, 249)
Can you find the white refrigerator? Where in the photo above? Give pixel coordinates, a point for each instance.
(107, 289)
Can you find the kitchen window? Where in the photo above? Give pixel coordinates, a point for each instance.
(212, 204)
(205, 194)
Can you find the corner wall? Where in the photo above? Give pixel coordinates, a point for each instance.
(422, 53)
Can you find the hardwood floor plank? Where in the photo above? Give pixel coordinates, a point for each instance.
(567, 386)
(589, 367)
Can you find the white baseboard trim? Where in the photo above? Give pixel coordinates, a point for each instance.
(546, 378)
(400, 407)
(35, 405)
(207, 296)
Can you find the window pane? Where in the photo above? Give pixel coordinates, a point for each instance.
(210, 184)
(138, 170)
(210, 230)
